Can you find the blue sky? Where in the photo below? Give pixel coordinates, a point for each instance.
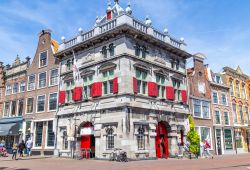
(218, 28)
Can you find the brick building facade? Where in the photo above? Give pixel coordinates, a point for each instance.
(2, 88)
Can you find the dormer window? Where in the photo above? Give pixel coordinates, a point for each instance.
(140, 51)
(218, 79)
(69, 64)
(43, 59)
(108, 52)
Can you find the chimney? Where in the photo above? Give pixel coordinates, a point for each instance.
(198, 59)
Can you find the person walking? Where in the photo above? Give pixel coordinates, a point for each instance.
(207, 147)
(21, 147)
(29, 144)
(14, 151)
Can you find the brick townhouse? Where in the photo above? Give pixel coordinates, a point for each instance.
(42, 92)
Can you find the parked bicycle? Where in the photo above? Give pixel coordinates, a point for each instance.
(118, 155)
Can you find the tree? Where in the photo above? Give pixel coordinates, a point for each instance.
(193, 137)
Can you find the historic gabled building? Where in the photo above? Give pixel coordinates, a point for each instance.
(200, 99)
(2, 88)
(41, 100)
(237, 81)
(221, 110)
(13, 102)
(122, 85)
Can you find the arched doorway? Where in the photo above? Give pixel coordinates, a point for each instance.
(161, 141)
(87, 140)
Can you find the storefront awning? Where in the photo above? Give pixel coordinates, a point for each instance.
(9, 129)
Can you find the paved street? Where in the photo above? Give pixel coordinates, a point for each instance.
(240, 162)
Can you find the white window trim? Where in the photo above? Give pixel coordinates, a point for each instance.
(221, 138)
(44, 103)
(28, 83)
(222, 99)
(17, 88)
(227, 128)
(18, 107)
(27, 107)
(39, 79)
(50, 77)
(34, 137)
(46, 136)
(229, 122)
(7, 90)
(5, 116)
(48, 102)
(20, 87)
(217, 97)
(46, 59)
(215, 118)
(209, 116)
(211, 136)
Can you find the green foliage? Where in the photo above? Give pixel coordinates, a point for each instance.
(193, 137)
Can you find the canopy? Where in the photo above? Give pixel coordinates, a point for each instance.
(9, 129)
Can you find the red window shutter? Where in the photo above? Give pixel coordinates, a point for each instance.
(77, 95)
(152, 89)
(97, 89)
(169, 93)
(184, 96)
(135, 85)
(109, 15)
(115, 85)
(62, 97)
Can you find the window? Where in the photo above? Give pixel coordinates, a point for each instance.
(243, 91)
(175, 64)
(8, 90)
(247, 115)
(42, 80)
(54, 77)
(22, 86)
(108, 81)
(50, 134)
(140, 51)
(69, 64)
(228, 139)
(104, 52)
(15, 88)
(87, 81)
(6, 109)
(241, 114)
(27, 130)
(231, 88)
(111, 50)
(235, 113)
(43, 59)
(64, 138)
(238, 89)
(224, 99)
(53, 101)
(218, 79)
(215, 97)
(217, 117)
(137, 50)
(144, 52)
(177, 91)
(70, 85)
(141, 81)
(141, 139)
(31, 82)
(238, 138)
(39, 134)
(160, 80)
(13, 108)
(226, 118)
(20, 107)
(110, 139)
(201, 108)
(205, 134)
(30, 103)
(41, 103)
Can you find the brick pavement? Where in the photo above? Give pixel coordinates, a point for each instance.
(239, 162)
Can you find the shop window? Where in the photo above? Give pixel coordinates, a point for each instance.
(110, 139)
(228, 139)
(50, 134)
(141, 139)
(29, 105)
(39, 134)
(31, 82)
(238, 139)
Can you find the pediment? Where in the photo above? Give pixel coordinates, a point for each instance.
(107, 66)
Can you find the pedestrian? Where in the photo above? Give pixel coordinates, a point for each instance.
(207, 147)
(29, 145)
(14, 151)
(21, 147)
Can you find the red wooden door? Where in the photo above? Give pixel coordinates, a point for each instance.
(161, 141)
(85, 142)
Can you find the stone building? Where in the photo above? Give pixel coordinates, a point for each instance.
(122, 85)
(2, 88)
(200, 99)
(237, 81)
(42, 92)
(221, 110)
(13, 102)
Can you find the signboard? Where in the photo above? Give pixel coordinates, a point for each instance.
(86, 131)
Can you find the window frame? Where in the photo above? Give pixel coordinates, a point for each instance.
(51, 85)
(8, 90)
(110, 137)
(4, 111)
(47, 135)
(15, 86)
(21, 85)
(26, 105)
(227, 117)
(215, 118)
(29, 82)
(46, 59)
(44, 103)
(50, 102)
(38, 84)
(201, 109)
(217, 96)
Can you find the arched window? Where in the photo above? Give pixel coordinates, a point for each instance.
(141, 139)
(104, 51)
(110, 139)
(111, 50)
(144, 52)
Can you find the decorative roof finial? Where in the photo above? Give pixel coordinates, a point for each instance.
(128, 9)
(148, 21)
(109, 6)
(117, 1)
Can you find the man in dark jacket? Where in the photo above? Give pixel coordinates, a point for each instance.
(21, 147)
